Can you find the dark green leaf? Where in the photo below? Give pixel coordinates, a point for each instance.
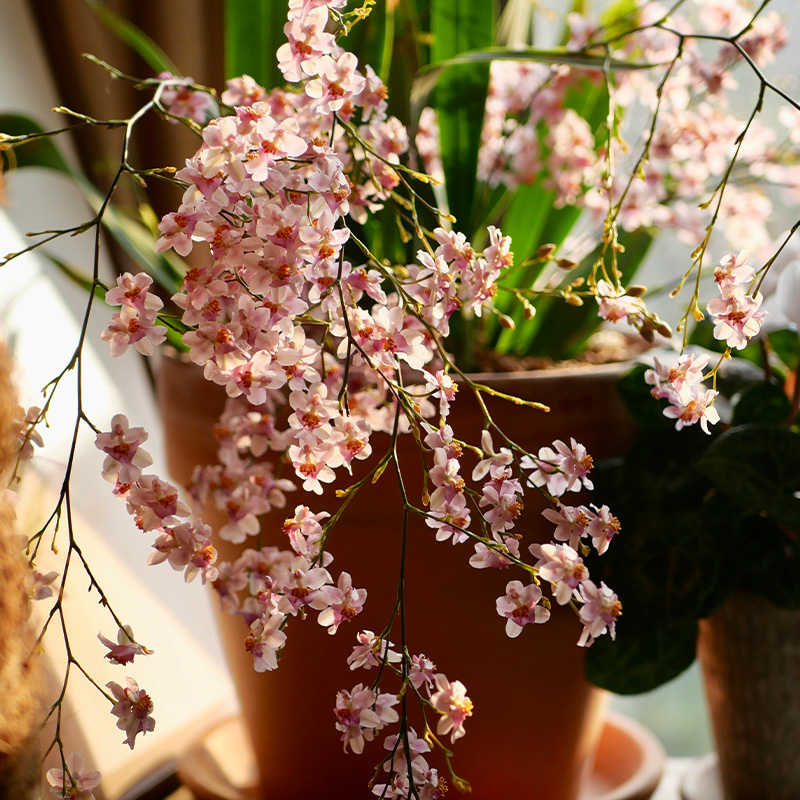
(759, 467)
(253, 33)
(136, 38)
(458, 26)
(560, 330)
(39, 152)
(774, 563)
(639, 663)
(703, 336)
(786, 344)
(764, 402)
(646, 410)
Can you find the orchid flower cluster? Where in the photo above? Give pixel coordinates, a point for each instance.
(293, 330)
(694, 126)
(736, 321)
(324, 349)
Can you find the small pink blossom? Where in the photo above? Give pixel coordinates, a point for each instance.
(520, 606)
(499, 555)
(599, 612)
(734, 269)
(27, 433)
(602, 528)
(687, 371)
(301, 585)
(187, 547)
(125, 649)
(422, 672)
(493, 462)
(132, 290)
(131, 327)
(360, 713)
(571, 522)
(154, 503)
(451, 701)
(736, 316)
(265, 640)
(42, 585)
(125, 459)
(133, 709)
(182, 101)
(304, 531)
(73, 783)
(372, 651)
(562, 566)
(688, 408)
(450, 516)
(614, 305)
(339, 603)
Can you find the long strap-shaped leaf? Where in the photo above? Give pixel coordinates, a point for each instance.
(253, 33)
(458, 26)
(136, 38)
(430, 76)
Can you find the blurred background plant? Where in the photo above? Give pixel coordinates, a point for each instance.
(526, 116)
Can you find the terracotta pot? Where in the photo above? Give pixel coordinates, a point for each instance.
(750, 654)
(536, 721)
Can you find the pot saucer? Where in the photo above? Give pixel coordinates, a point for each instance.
(702, 781)
(630, 760)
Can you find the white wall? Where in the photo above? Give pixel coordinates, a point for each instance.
(40, 314)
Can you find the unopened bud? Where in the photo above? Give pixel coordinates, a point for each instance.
(528, 310)
(573, 299)
(636, 291)
(545, 252)
(664, 329)
(566, 263)
(506, 321)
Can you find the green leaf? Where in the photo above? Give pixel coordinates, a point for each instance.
(560, 330)
(646, 410)
(136, 38)
(253, 34)
(458, 26)
(764, 402)
(38, 152)
(775, 563)
(703, 336)
(758, 466)
(786, 344)
(641, 662)
(619, 17)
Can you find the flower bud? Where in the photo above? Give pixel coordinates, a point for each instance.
(506, 321)
(566, 263)
(545, 252)
(573, 299)
(636, 291)
(664, 329)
